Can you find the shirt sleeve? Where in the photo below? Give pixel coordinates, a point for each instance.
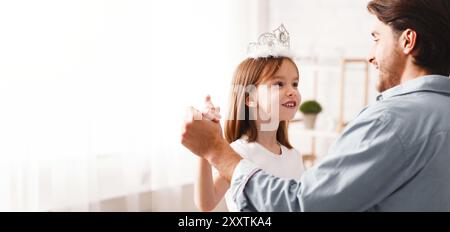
(365, 165)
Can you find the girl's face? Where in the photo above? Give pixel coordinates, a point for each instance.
(278, 97)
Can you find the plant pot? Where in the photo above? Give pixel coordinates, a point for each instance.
(309, 120)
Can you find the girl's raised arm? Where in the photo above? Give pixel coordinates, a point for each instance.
(208, 191)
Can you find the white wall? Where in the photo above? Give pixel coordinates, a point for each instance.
(325, 27)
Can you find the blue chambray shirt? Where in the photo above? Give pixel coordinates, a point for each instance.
(394, 156)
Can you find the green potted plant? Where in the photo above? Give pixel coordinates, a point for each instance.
(310, 109)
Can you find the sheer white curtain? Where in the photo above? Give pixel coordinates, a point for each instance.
(92, 95)
(197, 59)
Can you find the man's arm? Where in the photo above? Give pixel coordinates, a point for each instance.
(365, 165)
(255, 190)
(224, 159)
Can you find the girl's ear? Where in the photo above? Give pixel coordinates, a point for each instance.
(249, 102)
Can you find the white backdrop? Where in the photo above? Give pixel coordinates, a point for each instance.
(92, 94)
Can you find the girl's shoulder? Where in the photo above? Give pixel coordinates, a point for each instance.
(292, 150)
(242, 147)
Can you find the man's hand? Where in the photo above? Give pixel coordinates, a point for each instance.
(202, 134)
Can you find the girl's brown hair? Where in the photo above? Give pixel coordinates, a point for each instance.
(251, 72)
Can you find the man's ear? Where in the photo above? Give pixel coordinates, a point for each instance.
(408, 41)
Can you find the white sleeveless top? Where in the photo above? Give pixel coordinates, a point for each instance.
(287, 165)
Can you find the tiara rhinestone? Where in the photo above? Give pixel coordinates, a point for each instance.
(275, 44)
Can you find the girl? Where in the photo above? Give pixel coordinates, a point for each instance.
(264, 98)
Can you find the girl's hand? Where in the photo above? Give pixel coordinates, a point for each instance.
(210, 112)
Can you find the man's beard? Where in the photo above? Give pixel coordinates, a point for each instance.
(387, 80)
(390, 73)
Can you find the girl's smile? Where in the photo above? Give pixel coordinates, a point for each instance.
(291, 104)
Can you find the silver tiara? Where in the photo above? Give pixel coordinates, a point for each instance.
(272, 44)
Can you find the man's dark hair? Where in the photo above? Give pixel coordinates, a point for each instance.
(430, 19)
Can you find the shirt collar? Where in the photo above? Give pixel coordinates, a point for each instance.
(430, 83)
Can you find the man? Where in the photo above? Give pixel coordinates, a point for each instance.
(394, 156)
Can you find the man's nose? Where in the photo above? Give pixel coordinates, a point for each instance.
(371, 60)
(371, 57)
